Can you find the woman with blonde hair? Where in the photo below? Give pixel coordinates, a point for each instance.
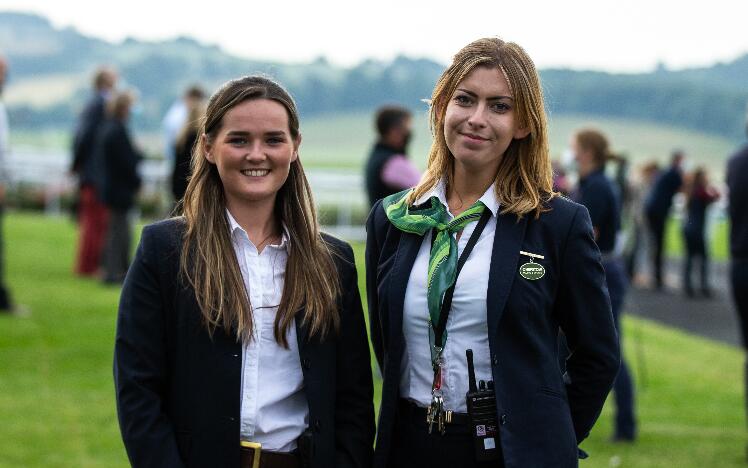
(482, 258)
(240, 337)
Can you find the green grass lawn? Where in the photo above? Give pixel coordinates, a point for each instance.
(57, 396)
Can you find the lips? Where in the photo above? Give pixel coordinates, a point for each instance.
(473, 137)
(256, 172)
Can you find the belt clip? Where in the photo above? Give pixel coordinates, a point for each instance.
(256, 449)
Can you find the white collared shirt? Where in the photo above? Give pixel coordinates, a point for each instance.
(274, 410)
(467, 326)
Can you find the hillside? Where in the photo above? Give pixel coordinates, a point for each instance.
(51, 70)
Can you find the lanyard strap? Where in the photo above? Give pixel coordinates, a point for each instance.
(441, 327)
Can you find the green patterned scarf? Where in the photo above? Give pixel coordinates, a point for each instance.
(443, 256)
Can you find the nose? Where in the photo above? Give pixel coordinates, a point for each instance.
(255, 152)
(477, 118)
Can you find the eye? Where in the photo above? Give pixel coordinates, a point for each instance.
(501, 107)
(237, 141)
(276, 140)
(463, 100)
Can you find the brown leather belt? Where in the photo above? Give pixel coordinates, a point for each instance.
(252, 456)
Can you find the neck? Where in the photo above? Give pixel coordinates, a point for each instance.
(587, 169)
(467, 187)
(258, 220)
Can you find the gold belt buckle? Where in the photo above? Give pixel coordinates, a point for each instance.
(256, 447)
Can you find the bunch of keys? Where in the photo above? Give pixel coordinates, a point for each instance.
(435, 411)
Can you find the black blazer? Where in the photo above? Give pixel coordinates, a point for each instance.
(115, 161)
(542, 419)
(178, 390)
(85, 135)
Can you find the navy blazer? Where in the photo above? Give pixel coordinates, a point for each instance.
(178, 389)
(542, 418)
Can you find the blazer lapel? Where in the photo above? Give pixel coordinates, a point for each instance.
(504, 265)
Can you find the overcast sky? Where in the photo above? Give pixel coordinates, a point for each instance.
(622, 36)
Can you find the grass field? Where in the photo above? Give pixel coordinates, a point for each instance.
(57, 397)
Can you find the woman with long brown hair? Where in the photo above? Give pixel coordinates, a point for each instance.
(240, 333)
(483, 259)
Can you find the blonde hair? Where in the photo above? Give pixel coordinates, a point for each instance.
(208, 262)
(524, 181)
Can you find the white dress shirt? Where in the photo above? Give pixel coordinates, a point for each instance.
(274, 411)
(467, 326)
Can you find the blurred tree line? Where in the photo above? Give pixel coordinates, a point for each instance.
(709, 99)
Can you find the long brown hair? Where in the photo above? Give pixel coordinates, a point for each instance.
(524, 181)
(208, 262)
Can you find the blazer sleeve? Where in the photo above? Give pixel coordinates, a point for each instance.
(354, 407)
(583, 309)
(140, 365)
(373, 249)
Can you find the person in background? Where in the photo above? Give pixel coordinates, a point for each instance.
(601, 197)
(185, 141)
(388, 169)
(6, 304)
(639, 239)
(533, 270)
(92, 213)
(657, 209)
(561, 183)
(699, 195)
(176, 117)
(117, 180)
(737, 183)
(241, 339)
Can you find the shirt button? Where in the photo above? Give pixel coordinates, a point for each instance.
(503, 419)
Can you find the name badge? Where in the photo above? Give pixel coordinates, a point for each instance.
(532, 271)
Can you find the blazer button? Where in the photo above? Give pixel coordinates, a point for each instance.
(317, 425)
(306, 363)
(503, 419)
(495, 360)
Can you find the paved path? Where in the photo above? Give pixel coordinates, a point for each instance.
(712, 318)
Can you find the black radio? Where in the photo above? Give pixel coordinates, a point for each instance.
(481, 406)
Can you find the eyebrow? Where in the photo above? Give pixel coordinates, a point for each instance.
(492, 98)
(233, 133)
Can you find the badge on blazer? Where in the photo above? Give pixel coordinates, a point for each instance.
(532, 271)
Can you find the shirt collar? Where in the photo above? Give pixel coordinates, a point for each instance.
(235, 228)
(440, 191)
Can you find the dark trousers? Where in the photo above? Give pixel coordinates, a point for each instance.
(623, 388)
(413, 446)
(739, 280)
(5, 302)
(656, 223)
(695, 252)
(116, 255)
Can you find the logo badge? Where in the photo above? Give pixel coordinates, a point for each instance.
(532, 271)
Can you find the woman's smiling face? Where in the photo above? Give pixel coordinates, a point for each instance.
(253, 151)
(480, 120)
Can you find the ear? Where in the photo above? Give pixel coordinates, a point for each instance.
(520, 133)
(207, 148)
(296, 145)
